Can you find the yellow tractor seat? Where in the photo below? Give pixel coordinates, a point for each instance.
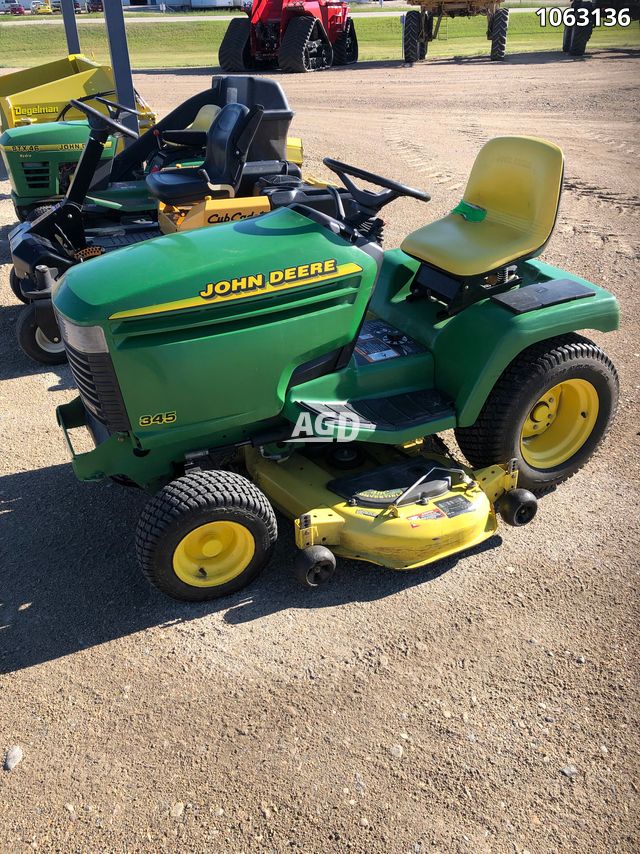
(204, 118)
(508, 210)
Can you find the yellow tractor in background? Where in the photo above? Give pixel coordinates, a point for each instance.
(423, 25)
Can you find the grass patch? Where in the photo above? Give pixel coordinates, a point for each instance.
(178, 44)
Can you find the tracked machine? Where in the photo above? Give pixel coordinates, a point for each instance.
(293, 35)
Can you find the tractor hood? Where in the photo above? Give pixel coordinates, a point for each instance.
(205, 269)
(49, 133)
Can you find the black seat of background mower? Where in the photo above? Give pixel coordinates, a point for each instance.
(228, 142)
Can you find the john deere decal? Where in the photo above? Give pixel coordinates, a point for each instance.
(256, 284)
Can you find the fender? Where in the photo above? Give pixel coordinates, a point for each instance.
(473, 348)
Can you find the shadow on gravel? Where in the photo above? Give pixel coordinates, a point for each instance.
(13, 362)
(69, 579)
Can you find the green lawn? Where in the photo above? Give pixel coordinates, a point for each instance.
(175, 44)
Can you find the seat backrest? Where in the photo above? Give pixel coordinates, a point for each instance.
(518, 180)
(228, 141)
(205, 117)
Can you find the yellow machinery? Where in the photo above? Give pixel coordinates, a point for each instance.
(420, 26)
(39, 94)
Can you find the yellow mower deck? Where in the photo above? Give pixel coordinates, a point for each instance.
(404, 537)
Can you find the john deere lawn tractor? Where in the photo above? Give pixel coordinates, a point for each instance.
(288, 362)
(224, 187)
(421, 27)
(293, 35)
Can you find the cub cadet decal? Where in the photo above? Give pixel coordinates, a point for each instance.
(232, 287)
(258, 284)
(235, 216)
(160, 418)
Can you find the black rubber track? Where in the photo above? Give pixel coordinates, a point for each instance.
(580, 35)
(494, 438)
(345, 47)
(194, 499)
(26, 327)
(234, 52)
(291, 56)
(499, 27)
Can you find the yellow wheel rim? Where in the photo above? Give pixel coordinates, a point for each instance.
(213, 554)
(559, 424)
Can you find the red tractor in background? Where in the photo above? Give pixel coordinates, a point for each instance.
(293, 35)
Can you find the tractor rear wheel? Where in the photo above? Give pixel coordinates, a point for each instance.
(499, 26)
(304, 46)
(414, 47)
(567, 33)
(580, 35)
(549, 411)
(234, 53)
(345, 48)
(34, 343)
(205, 535)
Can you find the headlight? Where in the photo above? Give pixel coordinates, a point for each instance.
(85, 339)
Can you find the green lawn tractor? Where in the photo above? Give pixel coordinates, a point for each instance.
(288, 362)
(41, 159)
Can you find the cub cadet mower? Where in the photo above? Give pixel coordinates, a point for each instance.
(41, 159)
(293, 35)
(44, 248)
(283, 336)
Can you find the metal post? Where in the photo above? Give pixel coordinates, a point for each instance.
(120, 62)
(70, 26)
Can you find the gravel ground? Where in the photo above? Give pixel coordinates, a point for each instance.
(486, 704)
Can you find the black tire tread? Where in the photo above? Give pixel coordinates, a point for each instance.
(480, 443)
(197, 490)
(25, 333)
(232, 53)
(499, 28)
(14, 284)
(340, 54)
(291, 53)
(410, 39)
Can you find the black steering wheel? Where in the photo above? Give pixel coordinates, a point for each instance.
(63, 112)
(366, 199)
(111, 120)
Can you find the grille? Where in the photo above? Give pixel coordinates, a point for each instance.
(98, 387)
(36, 175)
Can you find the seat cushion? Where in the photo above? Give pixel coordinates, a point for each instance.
(177, 186)
(464, 248)
(508, 210)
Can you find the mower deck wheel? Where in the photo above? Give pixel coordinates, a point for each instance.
(34, 343)
(205, 535)
(517, 507)
(314, 566)
(550, 410)
(14, 284)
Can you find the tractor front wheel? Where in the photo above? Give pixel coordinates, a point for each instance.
(498, 27)
(414, 40)
(345, 48)
(304, 46)
(580, 35)
(34, 343)
(549, 410)
(205, 535)
(234, 53)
